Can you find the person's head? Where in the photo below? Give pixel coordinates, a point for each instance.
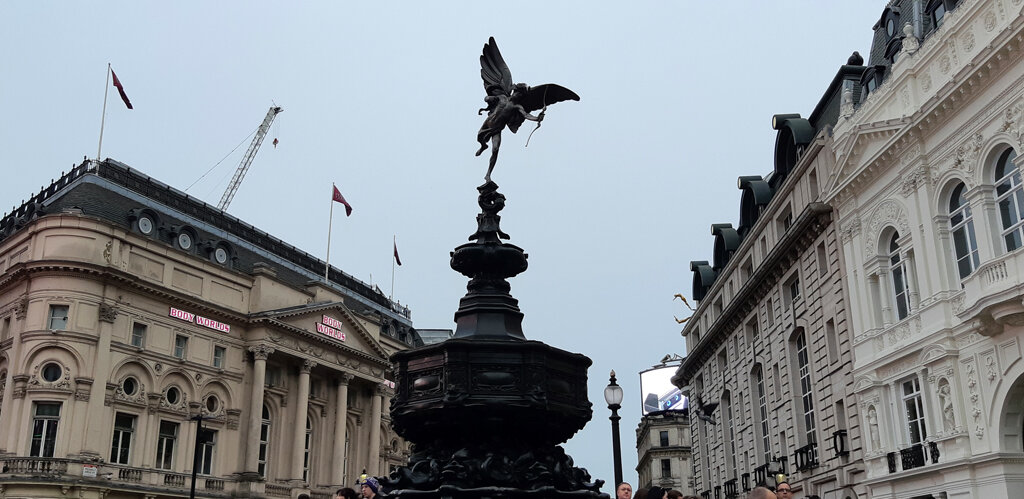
(761, 493)
(640, 493)
(674, 494)
(346, 493)
(623, 491)
(369, 488)
(784, 491)
(657, 493)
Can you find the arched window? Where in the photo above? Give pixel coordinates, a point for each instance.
(1010, 198)
(965, 245)
(264, 441)
(900, 284)
(305, 453)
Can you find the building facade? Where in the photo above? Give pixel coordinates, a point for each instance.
(663, 452)
(769, 367)
(927, 191)
(138, 323)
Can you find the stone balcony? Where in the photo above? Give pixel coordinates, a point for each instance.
(64, 473)
(992, 294)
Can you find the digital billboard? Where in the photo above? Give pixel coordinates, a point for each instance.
(657, 392)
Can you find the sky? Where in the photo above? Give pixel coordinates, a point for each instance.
(613, 198)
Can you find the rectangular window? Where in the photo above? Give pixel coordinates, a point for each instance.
(6, 331)
(120, 447)
(274, 379)
(165, 445)
(822, 263)
(806, 390)
(265, 442)
(138, 335)
(666, 468)
(762, 409)
(180, 346)
(58, 317)
(769, 306)
(831, 340)
(785, 221)
(44, 428)
(792, 291)
(219, 353)
(663, 438)
(752, 332)
(207, 442)
(913, 407)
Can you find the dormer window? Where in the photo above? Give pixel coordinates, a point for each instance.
(936, 11)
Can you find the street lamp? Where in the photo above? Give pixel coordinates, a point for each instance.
(613, 396)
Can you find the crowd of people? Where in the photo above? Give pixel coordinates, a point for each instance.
(624, 490)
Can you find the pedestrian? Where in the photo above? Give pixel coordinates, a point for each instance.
(346, 493)
(641, 493)
(784, 490)
(675, 494)
(369, 488)
(623, 491)
(656, 492)
(762, 493)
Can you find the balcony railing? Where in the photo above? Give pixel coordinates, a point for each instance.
(839, 443)
(730, 489)
(761, 475)
(214, 484)
(807, 457)
(172, 480)
(746, 482)
(915, 456)
(278, 490)
(129, 475)
(34, 466)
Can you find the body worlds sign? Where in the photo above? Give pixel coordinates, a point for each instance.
(331, 327)
(202, 321)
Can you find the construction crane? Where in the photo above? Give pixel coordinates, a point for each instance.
(243, 167)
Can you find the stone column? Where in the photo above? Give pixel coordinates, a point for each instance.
(301, 411)
(340, 421)
(259, 377)
(373, 456)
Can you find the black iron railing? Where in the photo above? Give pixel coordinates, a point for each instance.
(839, 443)
(730, 489)
(807, 457)
(915, 456)
(746, 482)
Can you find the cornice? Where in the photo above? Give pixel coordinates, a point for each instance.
(805, 229)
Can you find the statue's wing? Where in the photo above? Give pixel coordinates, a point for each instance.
(543, 95)
(493, 69)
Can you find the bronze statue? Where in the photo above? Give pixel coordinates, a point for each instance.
(510, 104)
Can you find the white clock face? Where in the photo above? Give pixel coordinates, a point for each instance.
(145, 225)
(221, 255)
(184, 241)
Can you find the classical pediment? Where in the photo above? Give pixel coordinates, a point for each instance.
(860, 151)
(330, 324)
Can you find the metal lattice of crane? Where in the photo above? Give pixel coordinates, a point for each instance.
(243, 167)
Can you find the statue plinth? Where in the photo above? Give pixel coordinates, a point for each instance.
(488, 409)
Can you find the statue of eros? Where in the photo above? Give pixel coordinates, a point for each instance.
(509, 104)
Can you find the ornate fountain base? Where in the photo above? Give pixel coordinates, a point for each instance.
(488, 409)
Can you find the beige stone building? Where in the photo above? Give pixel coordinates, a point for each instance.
(128, 310)
(663, 451)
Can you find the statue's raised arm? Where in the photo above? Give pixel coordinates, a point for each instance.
(510, 104)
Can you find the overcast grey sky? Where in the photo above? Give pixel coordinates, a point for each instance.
(613, 198)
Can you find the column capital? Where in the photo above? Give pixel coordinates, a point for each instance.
(344, 378)
(380, 389)
(307, 366)
(261, 352)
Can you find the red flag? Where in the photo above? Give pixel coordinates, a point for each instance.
(120, 90)
(397, 260)
(341, 199)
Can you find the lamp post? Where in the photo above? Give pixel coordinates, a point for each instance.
(195, 453)
(613, 396)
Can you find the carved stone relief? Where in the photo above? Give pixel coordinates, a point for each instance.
(1013, 125)
(990, 20)
(974, 395)
(967, 40)
(889, 212)
(108, 313)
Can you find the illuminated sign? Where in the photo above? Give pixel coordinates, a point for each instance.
(332, 322)
(657, 393)
(202, 321)
(330, 331)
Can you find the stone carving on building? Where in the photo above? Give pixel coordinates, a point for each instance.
(876, 443)
(261, 352)
(108, 251)
(967, 155)
(62, 383)
(307, 366)
(108, 313)
(1013, 124)
(910, 43)
(946, 402)
(967, 40)
(990, 365)
(990, 20)
(926, 82)
(21, 308)
(889, 212)
(975, 395)
(850, 230)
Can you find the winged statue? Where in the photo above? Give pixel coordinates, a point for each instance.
(510, 104)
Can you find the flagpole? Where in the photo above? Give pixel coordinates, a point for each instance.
(394, 244)
(330, 224)
(103, 118)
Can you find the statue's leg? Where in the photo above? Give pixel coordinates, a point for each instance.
(495, 145)
(482, 139)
